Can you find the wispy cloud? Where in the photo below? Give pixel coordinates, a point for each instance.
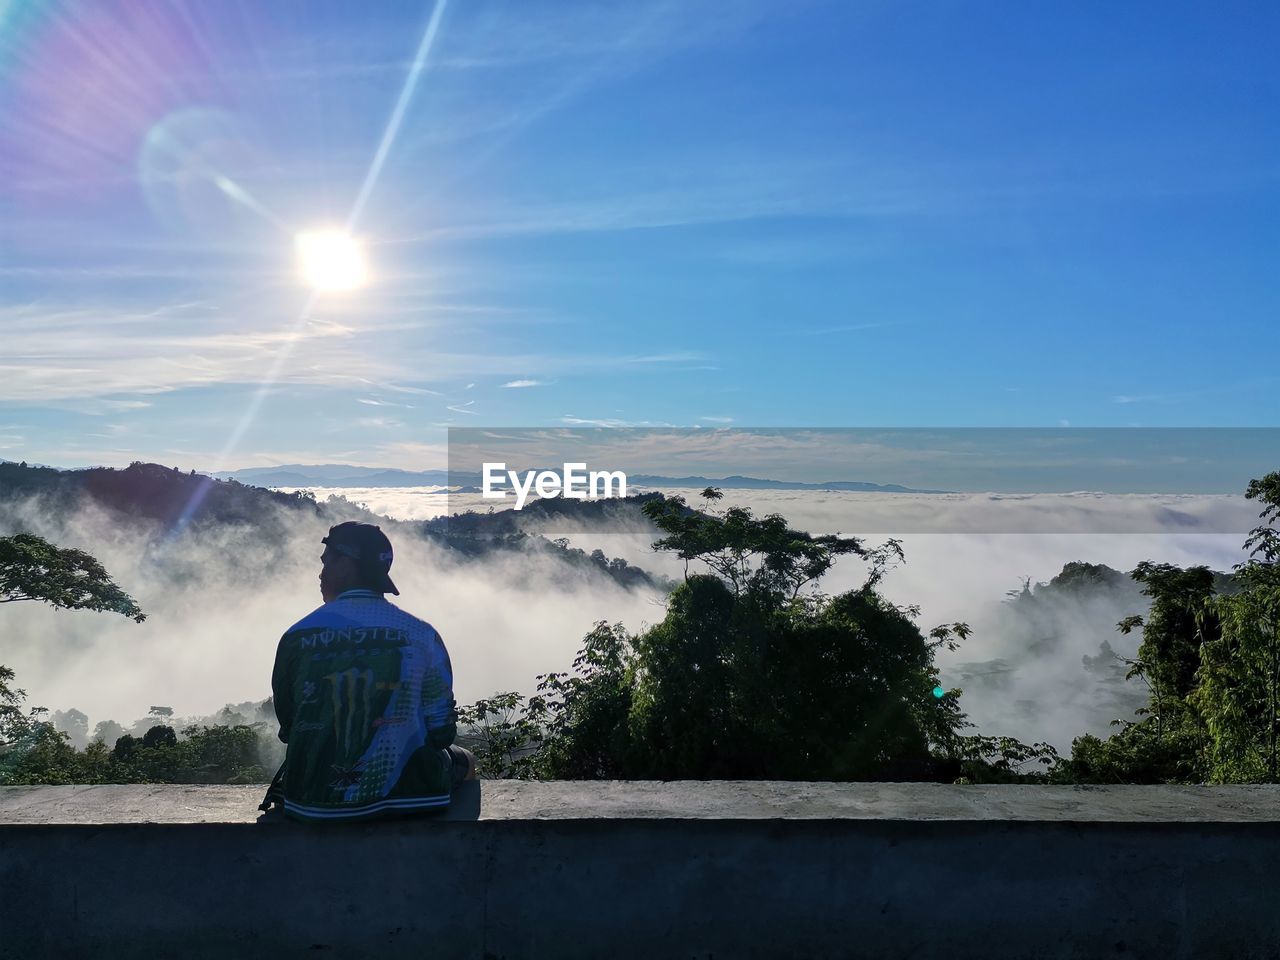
(113, 357)
(1148, 398)
(55, 355)
(709, 198)
(518, 384)
(570, 420)
(1183, 396)
(418, 391)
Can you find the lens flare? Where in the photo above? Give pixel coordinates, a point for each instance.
(331, 261)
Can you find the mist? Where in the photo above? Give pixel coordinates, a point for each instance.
(218, 597)
(1048, 678)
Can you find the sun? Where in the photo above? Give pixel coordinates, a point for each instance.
(331, 261)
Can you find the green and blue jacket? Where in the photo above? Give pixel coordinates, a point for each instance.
(364, 695)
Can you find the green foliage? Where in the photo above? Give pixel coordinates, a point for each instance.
(759, 554)
(1170, 742)
(14, 722)
(475, 536)
(1180, 620)
(48, 757)
(1210, 656)
(1168, 748)
(583, 715)
(1263, 543)
(203, 754)
(1239, 693)
(748, 676)
(1238, 690)
(159, 736)
(502, 735)
(31, 568)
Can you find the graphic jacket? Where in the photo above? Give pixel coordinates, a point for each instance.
(364, 695)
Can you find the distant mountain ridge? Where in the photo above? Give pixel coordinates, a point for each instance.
(343, 475)
(336, 475)
(167, 502)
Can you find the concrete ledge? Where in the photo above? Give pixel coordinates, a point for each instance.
(683, 800)
(649, 870)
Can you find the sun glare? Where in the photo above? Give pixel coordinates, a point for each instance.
(331, 261)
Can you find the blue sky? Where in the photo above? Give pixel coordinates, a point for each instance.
(651, 213)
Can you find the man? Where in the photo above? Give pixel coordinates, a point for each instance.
(364, 695)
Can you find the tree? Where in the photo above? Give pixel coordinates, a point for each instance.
(108, 732)
(763, 554)
(15, 723)
(1239, 693)
(31, 568)
(1181, 620)
(1210, 656)
(159, 736)
(74, 724)
(503, 735)
(583, 714)
(754, 673)
(1168, 743)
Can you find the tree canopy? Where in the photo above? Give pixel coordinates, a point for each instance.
(1210, 655)
(32, 568)
(752, 673)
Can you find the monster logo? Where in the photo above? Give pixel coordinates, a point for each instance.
(352, 697)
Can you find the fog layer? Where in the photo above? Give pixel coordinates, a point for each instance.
(218, 598)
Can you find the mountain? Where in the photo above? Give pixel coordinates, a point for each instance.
(756, 483)
(342, 475)
(169, 503)
(152, 492)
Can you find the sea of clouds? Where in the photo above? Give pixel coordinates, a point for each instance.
(964, 553)
(218, 599)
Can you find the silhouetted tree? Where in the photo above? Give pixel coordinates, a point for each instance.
(159, 736)
(74, 724)
(108, 732)
(31, 568)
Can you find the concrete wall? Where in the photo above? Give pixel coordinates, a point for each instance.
(710, 870)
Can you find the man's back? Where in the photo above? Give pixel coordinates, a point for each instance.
(364, 695)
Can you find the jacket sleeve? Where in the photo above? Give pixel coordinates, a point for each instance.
(282, 688)
(439, 707)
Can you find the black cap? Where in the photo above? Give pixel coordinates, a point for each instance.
(368, 546)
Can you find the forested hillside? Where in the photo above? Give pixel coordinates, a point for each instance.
(753, 671)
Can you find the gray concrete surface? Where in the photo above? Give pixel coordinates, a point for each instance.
(684, 800)
(708, 870)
